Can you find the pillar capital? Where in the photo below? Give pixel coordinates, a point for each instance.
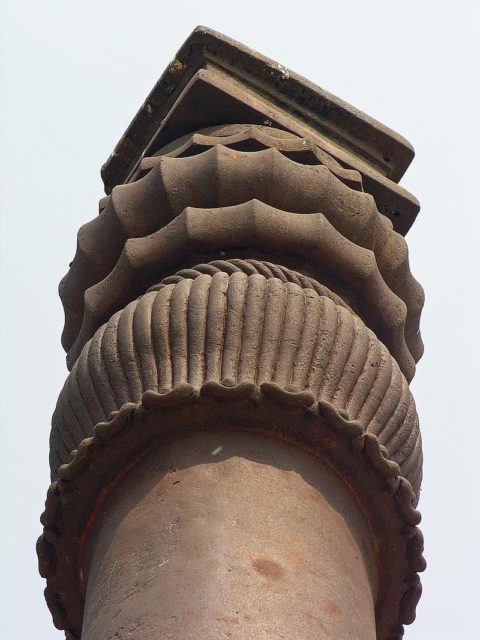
(246, 285)
(216, 80)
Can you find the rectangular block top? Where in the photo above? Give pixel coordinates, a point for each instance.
(216, 78)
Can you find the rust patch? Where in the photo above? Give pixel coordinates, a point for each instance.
(332, 611)
(297, 558)
(268, 568)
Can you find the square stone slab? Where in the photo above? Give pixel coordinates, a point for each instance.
(215, 80)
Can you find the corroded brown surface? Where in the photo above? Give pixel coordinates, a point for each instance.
(191, 499)
(77, 499)
(241, 328)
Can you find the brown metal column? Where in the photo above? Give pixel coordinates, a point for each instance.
(236, 452)
(230, 535)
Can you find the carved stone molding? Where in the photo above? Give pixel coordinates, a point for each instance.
(158, 205)
(239, 328)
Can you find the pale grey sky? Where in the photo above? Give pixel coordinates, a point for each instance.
(73, 74)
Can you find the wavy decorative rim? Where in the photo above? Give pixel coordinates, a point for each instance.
(143, 208)
(253, 224)
(230, 135)
(251, 266)
(136, 429)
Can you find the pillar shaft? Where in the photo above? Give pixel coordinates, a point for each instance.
(230, 535)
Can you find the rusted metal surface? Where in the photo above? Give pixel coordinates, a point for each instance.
(209, 567)
(236, 451)
(386, 499)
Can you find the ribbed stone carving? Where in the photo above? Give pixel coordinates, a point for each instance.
(239, 328)
(219, 177)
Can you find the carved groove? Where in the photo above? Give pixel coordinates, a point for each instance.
(251, 266)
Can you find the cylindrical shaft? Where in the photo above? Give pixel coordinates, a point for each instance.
(230, 535)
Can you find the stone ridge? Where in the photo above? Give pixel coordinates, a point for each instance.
(250, 137)
(250, 267)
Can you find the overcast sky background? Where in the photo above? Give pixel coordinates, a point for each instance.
(73, 75)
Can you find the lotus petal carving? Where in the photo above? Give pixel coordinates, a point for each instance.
(240, 328)
(222, 177)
